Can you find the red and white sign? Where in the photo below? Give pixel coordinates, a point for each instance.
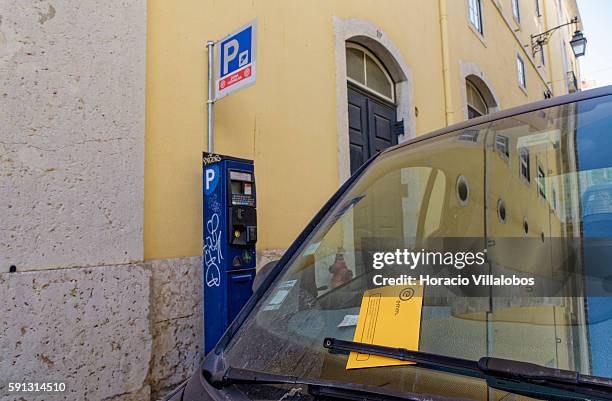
(234, 78)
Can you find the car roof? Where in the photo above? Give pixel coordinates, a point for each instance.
(599, 187)
(526, 108)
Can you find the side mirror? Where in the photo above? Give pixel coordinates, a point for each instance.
(263, 273)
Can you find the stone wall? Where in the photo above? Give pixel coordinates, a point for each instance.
(124, 332)
(177, 319)
(72, 78)
(121, 332)
(86, 327)
(78, 307)
(177, 322)
(268, 255)
(83, 307)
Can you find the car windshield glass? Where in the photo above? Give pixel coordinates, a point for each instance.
(530, 194)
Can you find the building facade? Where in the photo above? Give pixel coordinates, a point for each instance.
(319, 76)
(105, 121)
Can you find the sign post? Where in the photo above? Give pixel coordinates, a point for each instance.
(234, 69)
(210, 45)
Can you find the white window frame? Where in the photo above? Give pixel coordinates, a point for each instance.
(505, 144)
(541, 181)
(367, 53)
(516, 10)
(524, 163)
(521, 73)
(469, 136)
(475, 10)
(469, 85)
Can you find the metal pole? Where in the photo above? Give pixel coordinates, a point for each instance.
(211, 94)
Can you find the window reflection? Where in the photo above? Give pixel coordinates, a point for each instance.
(463, 191)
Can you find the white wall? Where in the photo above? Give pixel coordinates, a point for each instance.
(72, 77)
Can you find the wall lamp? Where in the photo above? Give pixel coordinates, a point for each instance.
(578, 41)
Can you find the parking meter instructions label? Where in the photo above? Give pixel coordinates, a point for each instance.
(389, 316)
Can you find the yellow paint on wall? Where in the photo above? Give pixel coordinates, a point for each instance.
(287, 121)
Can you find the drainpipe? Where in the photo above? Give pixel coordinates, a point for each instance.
(448, 101)
(548, 65)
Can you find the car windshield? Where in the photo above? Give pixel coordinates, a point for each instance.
(531, 194)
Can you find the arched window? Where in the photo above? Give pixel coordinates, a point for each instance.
(364, 70)
(477, 105)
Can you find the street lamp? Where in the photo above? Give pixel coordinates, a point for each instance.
(578, 41)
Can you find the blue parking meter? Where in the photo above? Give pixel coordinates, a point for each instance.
(230, 234)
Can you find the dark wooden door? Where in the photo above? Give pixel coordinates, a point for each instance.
(377, 218)
(371, 122)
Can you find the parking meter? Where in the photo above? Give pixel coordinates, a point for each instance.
(230, 234)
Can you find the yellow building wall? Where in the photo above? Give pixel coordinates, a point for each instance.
(558, 41)
(287, 121)
(495, 52)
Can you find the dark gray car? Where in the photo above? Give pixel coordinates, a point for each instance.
(511, 184)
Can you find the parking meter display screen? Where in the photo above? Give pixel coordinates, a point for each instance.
(240, 176)
(241, 187)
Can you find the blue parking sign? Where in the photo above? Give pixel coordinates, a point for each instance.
(236, 56)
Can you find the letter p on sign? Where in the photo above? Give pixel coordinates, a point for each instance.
(235, 60)
(211, 178)
(230, 51)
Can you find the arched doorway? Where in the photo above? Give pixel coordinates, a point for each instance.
(371, 105)
(373, 38)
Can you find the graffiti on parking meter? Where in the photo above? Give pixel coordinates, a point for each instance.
(212, 252)
(210, 158)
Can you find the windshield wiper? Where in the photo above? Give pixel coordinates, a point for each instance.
(327, 388)
(518, 377)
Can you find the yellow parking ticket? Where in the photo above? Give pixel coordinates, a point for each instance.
(389, 316)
